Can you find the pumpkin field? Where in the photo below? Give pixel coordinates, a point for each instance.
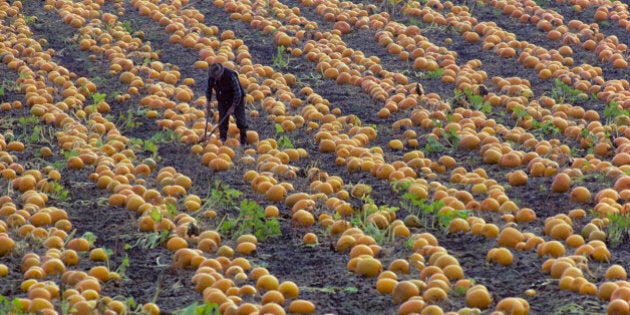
(403, 157)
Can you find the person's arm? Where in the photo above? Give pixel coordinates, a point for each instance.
(211, 84)
(209, 111)
(238, 91)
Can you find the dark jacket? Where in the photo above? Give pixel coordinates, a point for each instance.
(227, 87)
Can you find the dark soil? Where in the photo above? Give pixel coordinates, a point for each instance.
(320, 271)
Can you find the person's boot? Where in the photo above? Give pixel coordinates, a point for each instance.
(243, 137)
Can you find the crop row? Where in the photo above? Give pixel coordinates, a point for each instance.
(58, 98)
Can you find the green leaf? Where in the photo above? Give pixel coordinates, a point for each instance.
(433, 146)
(17, 304)
(98, 97)
(189, 310)
(227, 225)
(131, 302)
(155, 214)
(90, 237)
(150, 147)
(285, 143)
(171, 209)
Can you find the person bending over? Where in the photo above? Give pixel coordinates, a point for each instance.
(230, 95)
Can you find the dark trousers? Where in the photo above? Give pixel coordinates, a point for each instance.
(239, 116)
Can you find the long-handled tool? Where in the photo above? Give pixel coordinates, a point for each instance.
(221, 121)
